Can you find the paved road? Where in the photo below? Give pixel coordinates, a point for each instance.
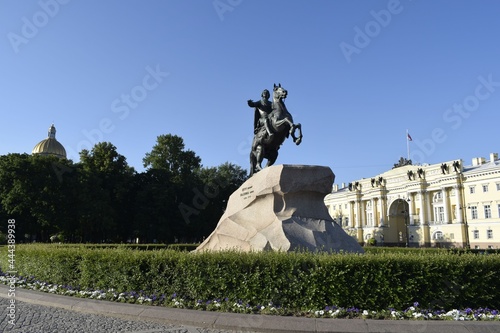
(33, 318)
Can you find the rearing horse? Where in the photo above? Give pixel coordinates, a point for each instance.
(281, 123)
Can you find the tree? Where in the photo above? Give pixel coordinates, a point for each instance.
(154, 207)
(37, 191)
(106, 200)
(169, 154)
(209, 198)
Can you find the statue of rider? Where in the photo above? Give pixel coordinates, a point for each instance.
(262, 129)
(263, 109)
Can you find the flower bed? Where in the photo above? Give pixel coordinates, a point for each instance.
(412, 313)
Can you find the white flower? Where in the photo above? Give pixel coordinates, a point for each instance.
(335, 313)
(365, 313)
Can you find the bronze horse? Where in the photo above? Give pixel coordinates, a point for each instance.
(266, 145)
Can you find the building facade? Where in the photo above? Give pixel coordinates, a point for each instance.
(438, 205)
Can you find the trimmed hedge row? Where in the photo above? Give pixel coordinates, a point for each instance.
(145, 247)
(301, 281)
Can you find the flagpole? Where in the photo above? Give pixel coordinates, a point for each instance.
(408, 144)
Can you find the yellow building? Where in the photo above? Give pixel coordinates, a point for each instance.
(439, 205)
(50, 146)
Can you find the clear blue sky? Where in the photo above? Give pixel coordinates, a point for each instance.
(358, 73)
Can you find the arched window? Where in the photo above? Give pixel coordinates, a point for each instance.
(438, 235)
(438, 197)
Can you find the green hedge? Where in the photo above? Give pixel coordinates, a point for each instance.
(145, 247)
(436, 279)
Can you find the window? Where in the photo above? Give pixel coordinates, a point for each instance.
(369, 219)
(475, 234)
(439, 214)
(498, 206)
(438, 197)
(487, 211)
(489, 234)
(485, 188)
(438, 235)
(498, 186)
(472, 189)
(473, 212)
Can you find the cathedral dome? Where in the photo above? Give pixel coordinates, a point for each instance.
(50, 146)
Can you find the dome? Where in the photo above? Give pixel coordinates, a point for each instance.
(50, 146)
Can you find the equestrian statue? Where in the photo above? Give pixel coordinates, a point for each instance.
(272, 125)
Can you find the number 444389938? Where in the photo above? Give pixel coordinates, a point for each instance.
(11, 241)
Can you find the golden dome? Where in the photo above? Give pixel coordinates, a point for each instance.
(50, 146)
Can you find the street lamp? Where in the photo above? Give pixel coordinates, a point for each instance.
(467, 240)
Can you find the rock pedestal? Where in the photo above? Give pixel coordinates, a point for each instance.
(281, 208)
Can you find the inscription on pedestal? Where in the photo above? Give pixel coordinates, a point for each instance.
(246, 192)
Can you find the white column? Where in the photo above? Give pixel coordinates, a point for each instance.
(428, 206)
(422, 207)
(446, 204)
(363, 213)
(351, 214)
(374, 212)
(358, 213)
(458, 204)
(383, 211)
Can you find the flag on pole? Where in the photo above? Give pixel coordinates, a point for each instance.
(408, 139)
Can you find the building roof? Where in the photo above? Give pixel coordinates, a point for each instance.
(50, 146)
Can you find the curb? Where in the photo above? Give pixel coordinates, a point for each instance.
(245, 322)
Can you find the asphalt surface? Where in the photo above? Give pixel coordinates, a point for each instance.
(35, 312)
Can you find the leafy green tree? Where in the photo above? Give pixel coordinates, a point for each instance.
(178, 168)
(105, 198)
(154, 213)
(33, 192)
(169, 154)
(209, 198)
